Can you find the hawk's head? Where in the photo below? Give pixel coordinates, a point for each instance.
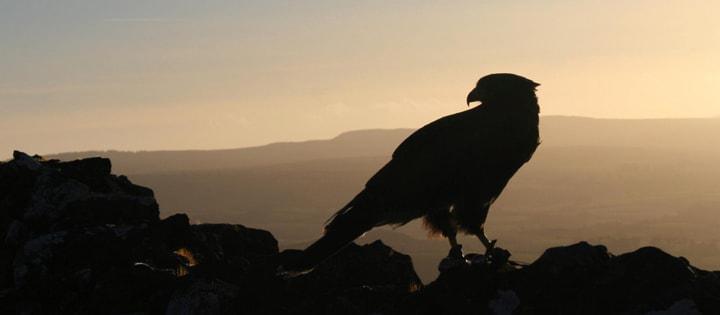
(499, 86)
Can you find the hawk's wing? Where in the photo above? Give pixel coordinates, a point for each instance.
(428, 161)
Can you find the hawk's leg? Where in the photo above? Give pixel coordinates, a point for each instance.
(455, 248)
(489, 245)
(440, 221)
(495, 256)
(455, 258)
(471, 218)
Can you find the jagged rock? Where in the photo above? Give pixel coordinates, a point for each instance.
(77, 239)
(371, 264)
(204, 296)
(53, 195)
(244, 257)
(589, 279)
(217, 244)
(17, 233)
(575, 279)
(70, 231)
(25, 161)
(574, 258)
(358, 280)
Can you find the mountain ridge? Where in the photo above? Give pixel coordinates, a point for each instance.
(688, 134)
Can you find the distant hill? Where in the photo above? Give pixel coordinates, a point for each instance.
(689, 134)
(350, 144)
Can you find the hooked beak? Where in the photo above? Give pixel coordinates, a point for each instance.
(474, 96)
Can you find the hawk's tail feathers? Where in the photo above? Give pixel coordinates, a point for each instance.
(349, 223)
(344, 212)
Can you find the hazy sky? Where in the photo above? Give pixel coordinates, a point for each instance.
(78, 75)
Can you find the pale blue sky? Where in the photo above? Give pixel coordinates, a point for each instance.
(133, 75)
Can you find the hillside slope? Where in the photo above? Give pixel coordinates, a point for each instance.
(683, 134)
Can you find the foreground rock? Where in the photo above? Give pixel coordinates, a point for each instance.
(78, 240)
(576, 279)
(75, 239)
(370, 279)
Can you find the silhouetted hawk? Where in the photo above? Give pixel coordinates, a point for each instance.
(449, 172)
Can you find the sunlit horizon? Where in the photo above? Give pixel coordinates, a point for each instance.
(103, 75)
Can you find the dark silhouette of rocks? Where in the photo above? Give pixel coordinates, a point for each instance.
(76, 239)
(576, 279)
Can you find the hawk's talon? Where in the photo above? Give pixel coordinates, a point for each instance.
(489, 249)
(456, 252)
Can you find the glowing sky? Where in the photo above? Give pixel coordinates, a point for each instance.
(131, 75)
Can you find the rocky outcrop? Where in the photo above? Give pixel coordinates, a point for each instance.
(76, 239)
(576, 279)
(369, 279)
